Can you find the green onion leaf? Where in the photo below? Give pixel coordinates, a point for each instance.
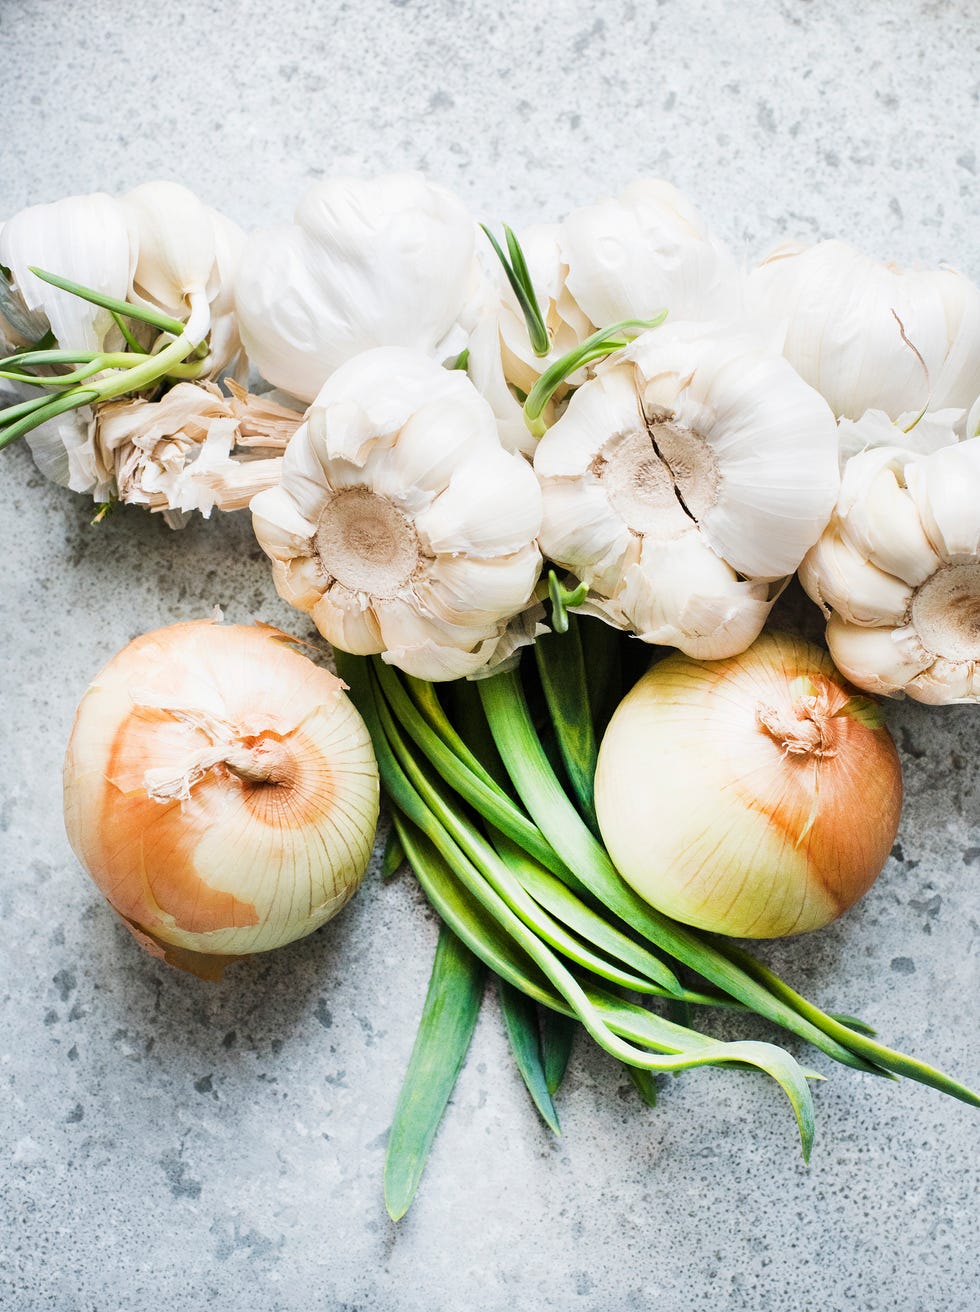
(393, 857)
(141, 312)
(452, 1005)
(521, 1022)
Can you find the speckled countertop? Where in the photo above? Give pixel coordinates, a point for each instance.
(167, 1144)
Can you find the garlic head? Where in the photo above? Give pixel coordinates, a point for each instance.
(870, 335)
(387, 261)
(897, 573)
(684, 483)
(400, 524)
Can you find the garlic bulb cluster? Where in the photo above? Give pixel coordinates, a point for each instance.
(157, 249)
(684, 483)
(625, 258)
(221, 791)
(388, 261)
(869, 335)
(756, 796)
(401, 525)
(88, 239)
(897, 572)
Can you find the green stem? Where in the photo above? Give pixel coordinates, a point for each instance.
(452, 1005)
(141, 312)
(561, 668)
(520, 280)
(600, 344)
(685, 1048)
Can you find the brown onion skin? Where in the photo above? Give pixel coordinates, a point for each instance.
(238, 864)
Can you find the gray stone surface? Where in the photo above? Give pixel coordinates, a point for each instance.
(166, 1144)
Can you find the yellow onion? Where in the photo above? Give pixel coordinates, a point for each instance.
(755, 796)
(221, 790)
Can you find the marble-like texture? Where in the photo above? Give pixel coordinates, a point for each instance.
(171, 1144)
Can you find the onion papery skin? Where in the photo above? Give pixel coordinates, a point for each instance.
(757, 796)
(236, 864)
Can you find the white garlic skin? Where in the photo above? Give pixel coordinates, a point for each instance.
(897, 573)
(387, 261)
(870, 335)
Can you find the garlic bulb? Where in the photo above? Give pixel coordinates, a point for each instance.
(869, 335)
(627, 258)
(384, 262)
(684, 482)
(400, 524)
(88, 239)
(645, 251)
(221, 791)
(756, 796)
(897, 571)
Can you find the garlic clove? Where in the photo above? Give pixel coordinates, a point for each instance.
(879, 519)
(581, 531)
(442, 432)
(282, 530)
(946, 683)
(606, 406)
(880, 660)
(837, 577)
(680, 594)
(945, 490)
(299, 581)
(492, 507)
(176, 243)
(347, 620)
(461, 589)
(436, 662)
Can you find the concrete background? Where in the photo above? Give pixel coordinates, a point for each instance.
(164, 1143)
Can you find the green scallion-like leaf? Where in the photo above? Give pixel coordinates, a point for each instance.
(452, 1005)
(521, 1023)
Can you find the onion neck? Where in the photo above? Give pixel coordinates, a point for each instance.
(805, 728)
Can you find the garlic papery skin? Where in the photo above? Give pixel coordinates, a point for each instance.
(388, 261)
(684, 483)
(924, 432)
(88, 239)
(221, 791)
(756, 796)
(645, 251)
(897, 573)
(870, 335)
(400, 524)
(194, 449)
